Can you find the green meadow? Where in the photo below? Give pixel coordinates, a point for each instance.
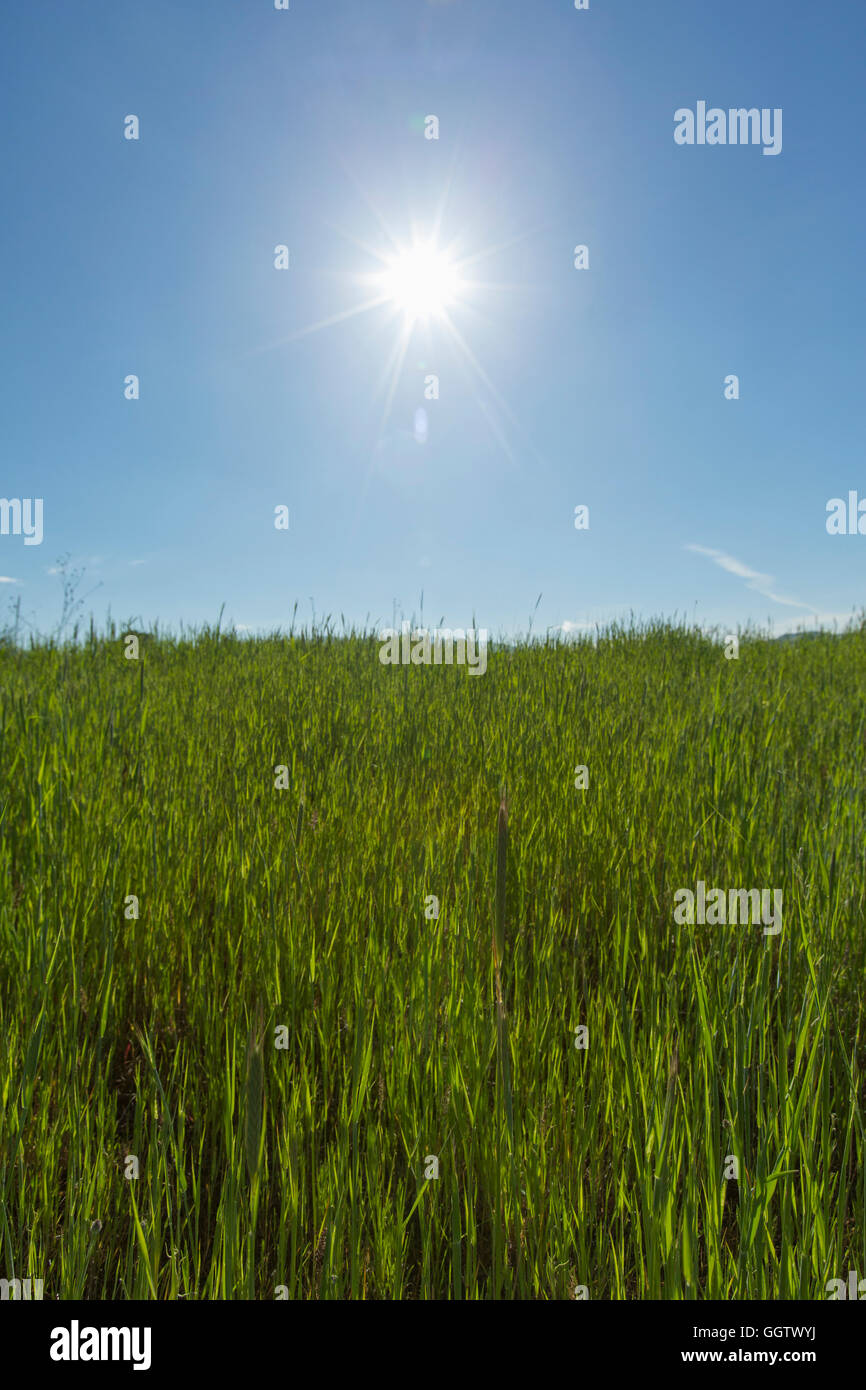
(243, 992)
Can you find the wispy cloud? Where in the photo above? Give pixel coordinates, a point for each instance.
(4, 579)
(761, 583)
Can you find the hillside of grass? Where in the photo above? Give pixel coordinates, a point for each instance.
(283, 1034)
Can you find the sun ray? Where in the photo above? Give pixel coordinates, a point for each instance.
(364, 246)
(503, 405)
(500, 246)
(352, 178)
(317, 327)
(443, 201)
(392, 370)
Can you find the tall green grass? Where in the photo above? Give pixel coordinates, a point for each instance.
(303, 1167)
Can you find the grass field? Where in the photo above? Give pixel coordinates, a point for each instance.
(299, 1170)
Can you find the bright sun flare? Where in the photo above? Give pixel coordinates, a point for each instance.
(422, 282)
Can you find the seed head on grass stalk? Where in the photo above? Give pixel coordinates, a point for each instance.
(254, 1102)
(501, 864)
(254, 1140)
(499, 949)
(504, 1098)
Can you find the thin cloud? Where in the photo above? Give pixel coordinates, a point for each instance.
(4, 579)
(760, 583)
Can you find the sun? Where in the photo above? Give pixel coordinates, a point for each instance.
(429, 287)
(423, 282)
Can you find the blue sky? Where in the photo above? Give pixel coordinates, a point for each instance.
(602, 387)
